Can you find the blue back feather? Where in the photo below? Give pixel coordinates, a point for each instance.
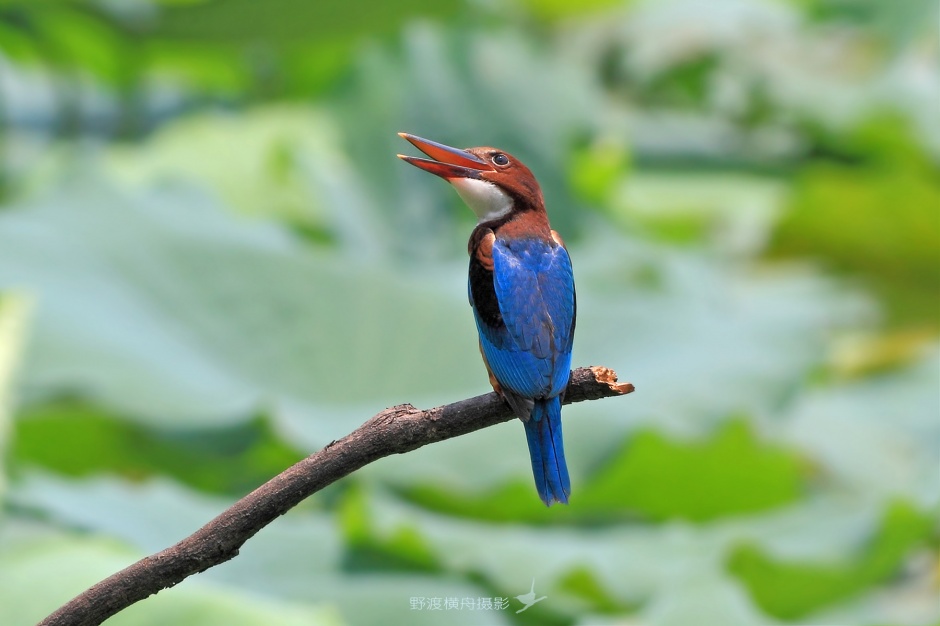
(534, 284)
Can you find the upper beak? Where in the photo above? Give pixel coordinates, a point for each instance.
(449, 162)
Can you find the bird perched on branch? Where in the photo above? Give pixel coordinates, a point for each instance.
(521, 289)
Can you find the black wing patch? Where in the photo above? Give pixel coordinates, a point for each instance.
(483, 294)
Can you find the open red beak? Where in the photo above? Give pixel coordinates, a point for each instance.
(448, 162)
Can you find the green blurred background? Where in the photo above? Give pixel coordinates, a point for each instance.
(212, 264)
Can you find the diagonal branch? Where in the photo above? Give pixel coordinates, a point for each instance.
(397, 430)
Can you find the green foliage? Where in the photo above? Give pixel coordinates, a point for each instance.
(582, 583)
(732, 473)
(229, 283)
(241, 20)
(403, 549)
(296, 563)
(683, 85)
(889, 227)
(790, 590)
(74, 39)
(596, 169)
(559, 9)
(268, 151)
(651, 478)
(75, 439)
(49, 570)
(283, 47)
(14, 314)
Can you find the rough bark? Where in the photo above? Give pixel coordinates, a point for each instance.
(396, 430)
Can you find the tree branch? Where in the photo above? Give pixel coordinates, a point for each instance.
(397, 430)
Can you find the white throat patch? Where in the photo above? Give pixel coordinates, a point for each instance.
(485, 199)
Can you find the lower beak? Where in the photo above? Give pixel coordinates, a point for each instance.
(448, 162)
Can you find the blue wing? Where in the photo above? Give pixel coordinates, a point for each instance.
(529, 352)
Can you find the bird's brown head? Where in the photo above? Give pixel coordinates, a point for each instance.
(492, 182)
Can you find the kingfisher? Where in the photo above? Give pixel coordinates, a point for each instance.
(521, 290)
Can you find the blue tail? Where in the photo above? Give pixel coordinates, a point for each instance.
(543, 432)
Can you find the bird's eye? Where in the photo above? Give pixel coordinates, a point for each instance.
(500, 159)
